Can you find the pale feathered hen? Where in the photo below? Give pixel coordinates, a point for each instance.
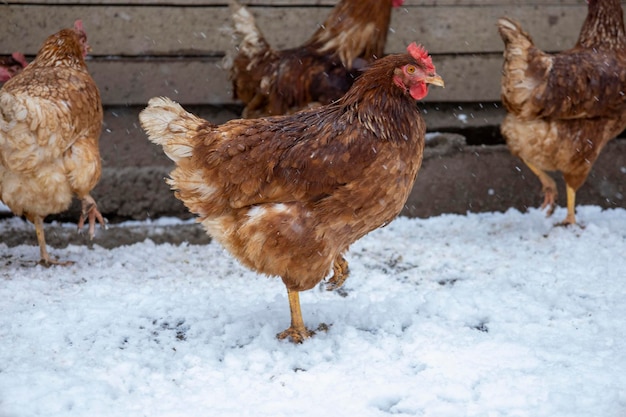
(50, 122)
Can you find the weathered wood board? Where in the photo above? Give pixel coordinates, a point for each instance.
(204, 81)
(309, 3)
(175, 48)
(189, 31)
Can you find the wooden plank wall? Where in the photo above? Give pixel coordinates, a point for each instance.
(175, 47)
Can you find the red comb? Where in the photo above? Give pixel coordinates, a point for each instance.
(78, 26)
(420, 54)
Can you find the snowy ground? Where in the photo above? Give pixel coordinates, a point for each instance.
(479, 315)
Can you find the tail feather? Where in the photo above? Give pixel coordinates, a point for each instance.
(519, 49)
(512, 33)
(251, 46)
(517, 44)
(252, 41)
(169, 125)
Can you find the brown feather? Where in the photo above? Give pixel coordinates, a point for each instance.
(271, 82)
(288, 194)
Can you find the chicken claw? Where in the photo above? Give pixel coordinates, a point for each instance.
(295, 335)
(298, 335)
(549, 200)
(45, 260)
(340, 274)
(90, 211)
(297, 332)
(50, 262)
(571, 208)
(548, 186)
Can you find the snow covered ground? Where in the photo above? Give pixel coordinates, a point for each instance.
(495, 314)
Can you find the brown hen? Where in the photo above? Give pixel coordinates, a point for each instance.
(287, 195)
(50, 122)
(563, 108)
(271, 82)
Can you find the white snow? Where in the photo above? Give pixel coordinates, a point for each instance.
(494, 314)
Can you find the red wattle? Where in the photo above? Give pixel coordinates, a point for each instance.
(419, 91)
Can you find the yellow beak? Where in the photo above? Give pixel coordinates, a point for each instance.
(435, 80)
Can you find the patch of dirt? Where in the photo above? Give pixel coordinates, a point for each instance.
(58, 236)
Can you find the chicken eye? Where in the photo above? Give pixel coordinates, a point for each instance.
(410, 69)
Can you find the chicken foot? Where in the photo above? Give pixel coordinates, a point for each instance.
(548, 187)
(89, 210)
(41, 240)
(340, 274)
(571, 210)
(297, 332)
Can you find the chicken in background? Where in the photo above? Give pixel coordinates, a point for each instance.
(50, 122)
(271, 82)
(287, 195)
(12, 65)
(563, 108)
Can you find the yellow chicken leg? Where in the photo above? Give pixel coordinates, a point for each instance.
(41, 240)
(548, 188)
(297, 332)
(571, 207)
(89, 210)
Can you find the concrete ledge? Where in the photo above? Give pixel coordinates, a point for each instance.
(455, 177)
(461, 179)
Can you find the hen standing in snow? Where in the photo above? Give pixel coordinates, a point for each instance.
(271, 82)
(287, 195)
(563, 108)
(50, 122)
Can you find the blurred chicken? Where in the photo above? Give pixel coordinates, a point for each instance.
(287, 195)
(271, 82)
(12, 65)
(50, 122)
(563, 108)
